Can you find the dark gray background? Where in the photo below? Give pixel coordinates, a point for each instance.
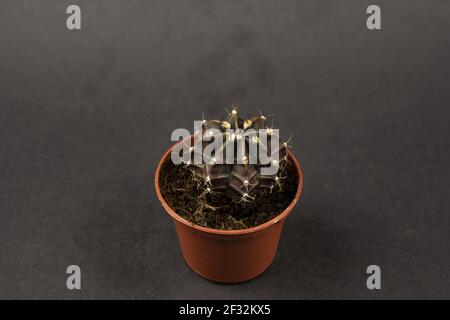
(86, 115)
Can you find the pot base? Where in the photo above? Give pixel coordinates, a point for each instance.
(221, 281)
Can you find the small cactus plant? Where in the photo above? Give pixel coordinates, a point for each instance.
(246, 178)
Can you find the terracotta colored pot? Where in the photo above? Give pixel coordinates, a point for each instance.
(229, 256)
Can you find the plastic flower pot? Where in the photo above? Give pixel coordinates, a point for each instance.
(229, 256)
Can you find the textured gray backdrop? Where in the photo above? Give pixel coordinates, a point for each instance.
(85, 116)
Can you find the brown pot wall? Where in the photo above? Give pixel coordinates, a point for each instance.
(229, 255)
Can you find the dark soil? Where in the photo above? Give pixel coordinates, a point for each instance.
(220, 209)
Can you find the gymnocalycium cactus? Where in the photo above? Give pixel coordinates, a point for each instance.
(245, 174)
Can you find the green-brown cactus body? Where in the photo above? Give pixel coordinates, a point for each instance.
(241, 176)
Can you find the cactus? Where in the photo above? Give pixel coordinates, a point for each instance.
(243, 178)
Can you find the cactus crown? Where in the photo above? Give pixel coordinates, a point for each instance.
(242, 176)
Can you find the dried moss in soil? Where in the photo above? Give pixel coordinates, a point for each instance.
(220, 209)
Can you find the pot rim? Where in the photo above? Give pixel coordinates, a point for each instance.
(260, 227)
